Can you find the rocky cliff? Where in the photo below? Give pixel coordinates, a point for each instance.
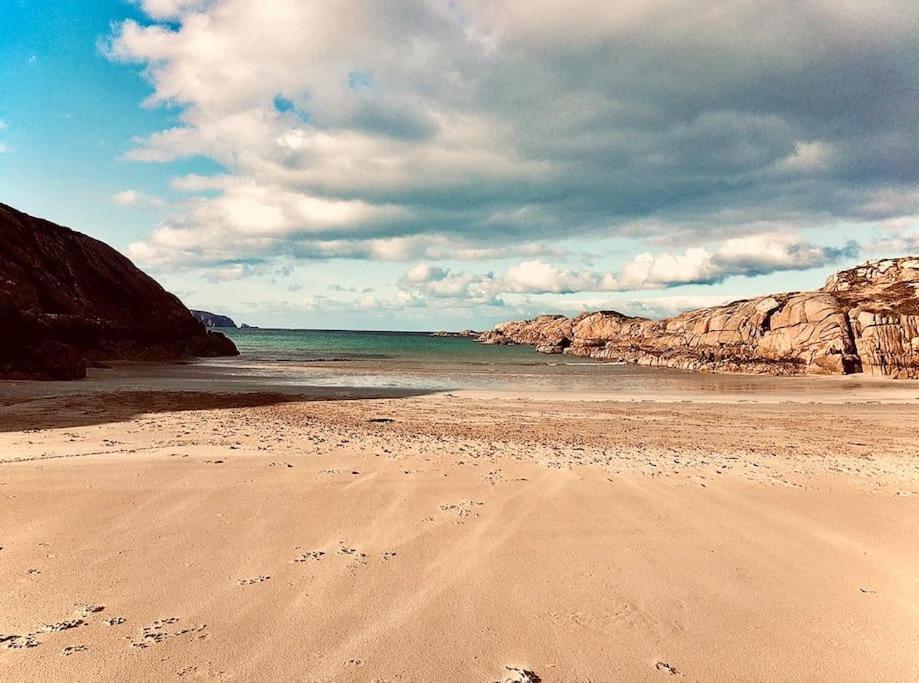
(863, 320)
(67, 300)
(211, 320)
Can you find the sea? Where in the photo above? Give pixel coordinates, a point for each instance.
(347, 364)
(421, 362)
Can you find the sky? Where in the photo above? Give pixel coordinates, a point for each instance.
(451, 164)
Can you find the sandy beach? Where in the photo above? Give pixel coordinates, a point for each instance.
(256, 536)
(459, 342)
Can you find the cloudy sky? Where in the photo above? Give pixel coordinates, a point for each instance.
(453, 163)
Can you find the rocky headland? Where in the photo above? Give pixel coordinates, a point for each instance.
(863, 320)
(68, 301)
(212, 320)
(463, 333)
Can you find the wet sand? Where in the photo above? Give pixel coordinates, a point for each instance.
(149, 535)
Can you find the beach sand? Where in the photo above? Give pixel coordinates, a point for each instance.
(162, 536)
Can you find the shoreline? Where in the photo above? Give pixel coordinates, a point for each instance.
(206, 378)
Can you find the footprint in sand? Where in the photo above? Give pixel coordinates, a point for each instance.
(253, 580)
(62, 625)
(667, 668)
(115, 621)
(461, 509)
(493, 478)
(353, 552)
(156, 632)
(520, 675)
(15, 642)
(72, 649)
(311, 555)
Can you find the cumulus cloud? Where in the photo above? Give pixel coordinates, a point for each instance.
(750, 255)
(746, 256)
(891, 247)
(539, 277)
(232, 271)
(180, 245)
(171, 9)
(136, 198)
(401, 300)
(486, 125)
(442, 283)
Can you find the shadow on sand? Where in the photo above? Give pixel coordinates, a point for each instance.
(21, 413)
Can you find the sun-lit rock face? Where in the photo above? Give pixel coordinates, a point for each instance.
(67, 300)
(882, 303)
(865, 319)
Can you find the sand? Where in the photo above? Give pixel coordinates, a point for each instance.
(155, 536)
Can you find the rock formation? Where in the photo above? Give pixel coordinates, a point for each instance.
(863, 320)
(464, 333)
(67, 300)
(212, 320)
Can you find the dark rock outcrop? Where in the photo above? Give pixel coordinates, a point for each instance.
(211, 320)
(464, 333)
(68, 301)
(863, 320)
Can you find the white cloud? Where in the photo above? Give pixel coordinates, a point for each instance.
(749, 255)
(361, 129)
(442, 283)
(365, 302)
(229, 272)
(171, 9)
(537, 276)
(136, 198)
(809, 156)
(743, 256)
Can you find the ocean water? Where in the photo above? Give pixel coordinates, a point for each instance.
(419, 361)
(404, 360)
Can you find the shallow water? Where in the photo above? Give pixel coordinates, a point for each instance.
(419, 361)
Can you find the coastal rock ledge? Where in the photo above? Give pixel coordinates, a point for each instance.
(863, 320)
(68, 301)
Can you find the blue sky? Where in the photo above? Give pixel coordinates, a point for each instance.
(449, 165)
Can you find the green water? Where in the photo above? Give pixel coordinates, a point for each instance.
(411, 360)
(311, 346)
(419, 361)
